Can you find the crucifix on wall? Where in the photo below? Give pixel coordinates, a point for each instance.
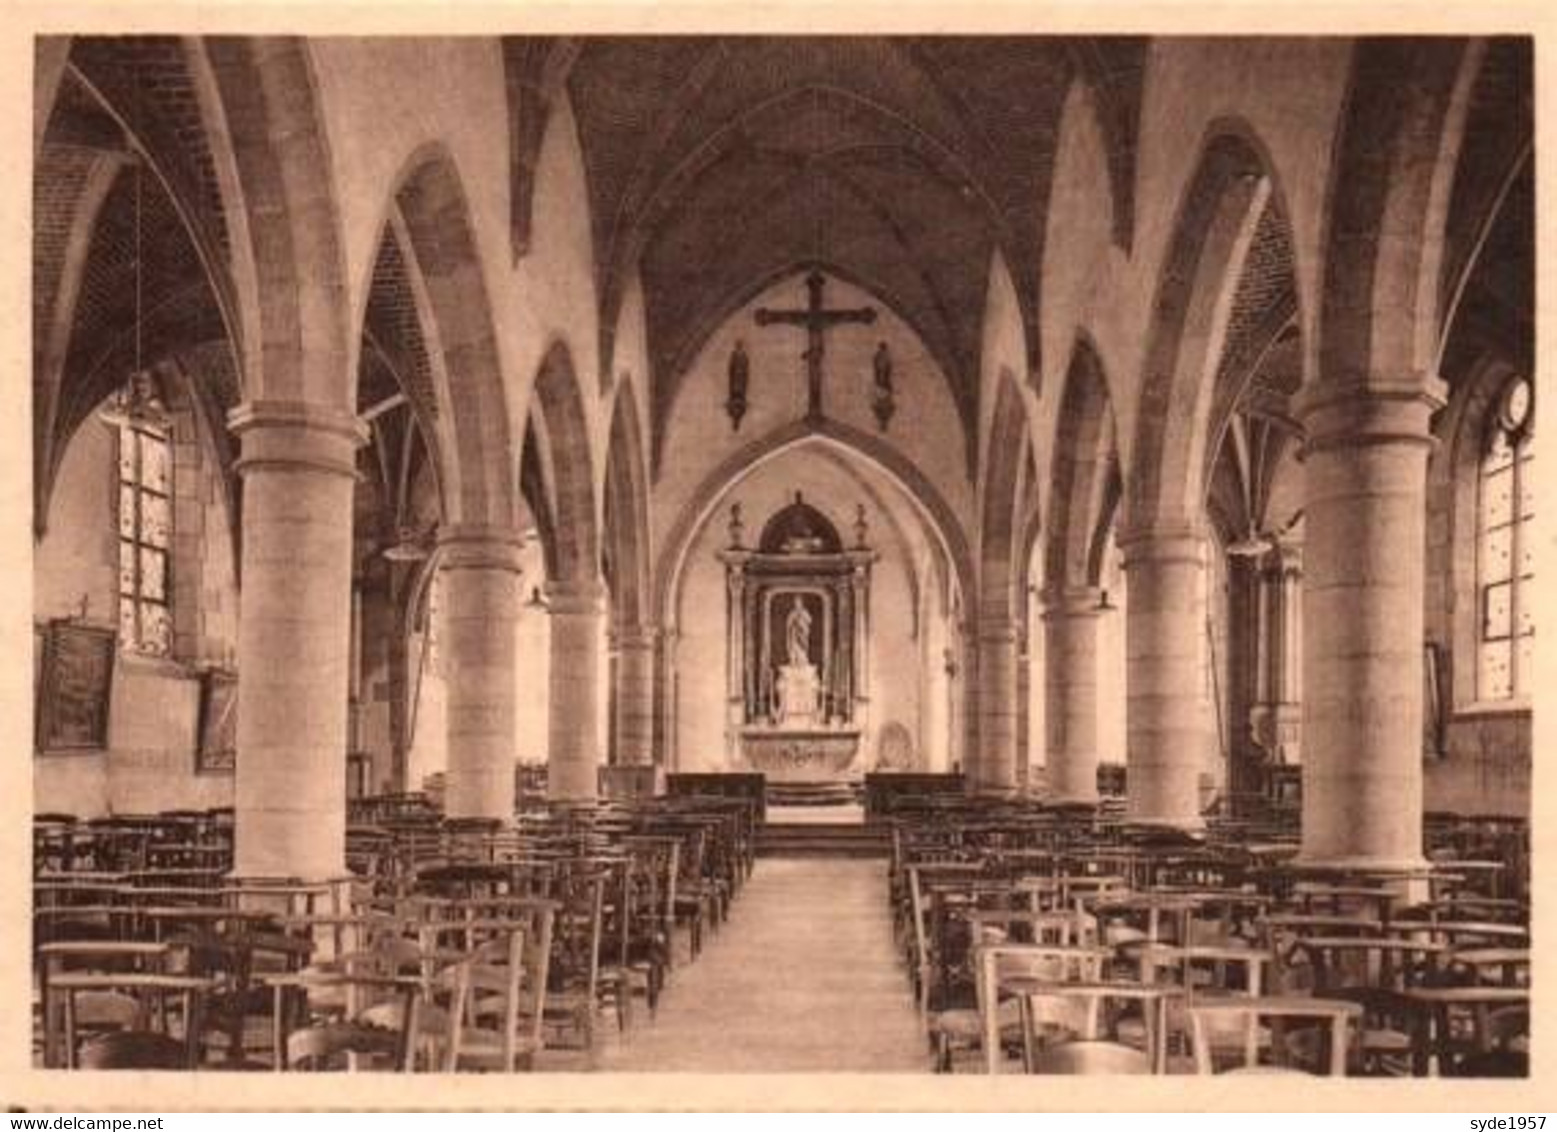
(817, 320)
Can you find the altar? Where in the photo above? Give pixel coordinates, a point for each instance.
(798, 638)
(797, 755)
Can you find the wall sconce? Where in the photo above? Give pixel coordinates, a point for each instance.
(537, 600)
(411, 545)
(1103, 604)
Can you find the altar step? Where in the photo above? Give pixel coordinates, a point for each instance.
(823, 839)
(813, 794)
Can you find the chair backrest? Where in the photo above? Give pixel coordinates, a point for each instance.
(1057, 929)
(1092, 1059)
(326, 1047)
(429, 1018)
(496, 985)
(133, 1050)
(1209, 1018)
(996, 963)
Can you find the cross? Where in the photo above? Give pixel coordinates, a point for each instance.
(817, 320)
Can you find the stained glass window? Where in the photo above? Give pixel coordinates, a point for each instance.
(1505, 564)
(145, 525)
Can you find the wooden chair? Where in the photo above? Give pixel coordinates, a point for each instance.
(1202, 972)
(431, 1017)
(1500, 966)
(694, 898)
(1336, 1015)
(133, 1050)
(76, 989)
(1091, 1059)
(1372, 972)
(573, 989)
(500, 1029)
(342, 1045)
(234, 950)
(613, 982)
(651, 928)
(105, 1009)
(1452, 1026)
(388, 1021)
(1009, 974)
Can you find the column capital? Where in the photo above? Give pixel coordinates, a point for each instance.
(470, 546)
(1178, 540)
(1071, 601)
(297, 435)
(575, 598)
(997, 630)
(1283, 559)
(1355, 414)
(634, 637)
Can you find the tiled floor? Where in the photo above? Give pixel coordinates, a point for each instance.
(802, 978)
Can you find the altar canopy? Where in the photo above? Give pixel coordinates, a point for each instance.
(798, 619)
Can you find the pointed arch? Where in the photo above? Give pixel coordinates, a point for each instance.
(938, 514)
(1389, 196)
(535, 73)
(1000, 575)
(1085, 463)
(537, 498)
(430, 219)
(296, 331)
(569, 465)
(1217, 220)
(626, 509)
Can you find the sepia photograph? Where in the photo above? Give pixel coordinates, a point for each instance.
(574, 561)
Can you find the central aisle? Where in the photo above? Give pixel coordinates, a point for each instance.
(802, 978)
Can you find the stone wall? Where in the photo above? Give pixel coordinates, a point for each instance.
(154, 705)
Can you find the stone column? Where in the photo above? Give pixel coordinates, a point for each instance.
(1246, 642)
(994, 769)
(738, 693)
(398, 682)
(1165, 642)
(1070, 623)
(1278, 713)
(481, 608)
(635, 696)
(577, 614)
(859, 678)
(298, 464)
(1365, 472)
(665, 693)
(1024, 722)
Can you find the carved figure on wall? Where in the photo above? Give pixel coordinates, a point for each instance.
(797, 631)
(883, 397)
(739, 379)
(737, 526)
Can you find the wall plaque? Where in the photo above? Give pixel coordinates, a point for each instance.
(217, 750)
(74, 686)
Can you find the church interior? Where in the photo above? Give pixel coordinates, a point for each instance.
(973, 555)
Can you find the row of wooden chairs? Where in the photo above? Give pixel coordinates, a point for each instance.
(409, 944)
(1178, 925)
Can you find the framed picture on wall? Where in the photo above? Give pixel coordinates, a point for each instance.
(217, 751)
(75, 682)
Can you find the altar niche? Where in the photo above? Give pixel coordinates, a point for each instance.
(798, 618)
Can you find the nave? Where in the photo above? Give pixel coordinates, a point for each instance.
(805, 979)
(662, 935)
(480, 483)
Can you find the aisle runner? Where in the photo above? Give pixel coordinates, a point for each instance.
(802, 978)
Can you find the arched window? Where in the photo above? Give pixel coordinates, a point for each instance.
(1504, 548)
(145, 519)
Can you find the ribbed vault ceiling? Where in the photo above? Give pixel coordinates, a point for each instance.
(717, 165)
